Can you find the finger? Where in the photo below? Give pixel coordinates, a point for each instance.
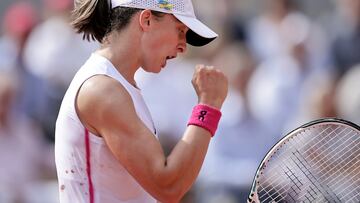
(210, 67)
(198, 67)
(197, 71)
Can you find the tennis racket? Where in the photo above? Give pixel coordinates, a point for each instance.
(317, 162)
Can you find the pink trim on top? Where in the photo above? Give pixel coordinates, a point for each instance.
(88, 166)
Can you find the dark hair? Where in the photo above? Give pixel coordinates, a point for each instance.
(95, 18)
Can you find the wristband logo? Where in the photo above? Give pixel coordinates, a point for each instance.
(202, 115)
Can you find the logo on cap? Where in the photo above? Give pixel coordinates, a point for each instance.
(165, 5)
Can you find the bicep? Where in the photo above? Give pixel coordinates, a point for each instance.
(109, 109)
(132, 143)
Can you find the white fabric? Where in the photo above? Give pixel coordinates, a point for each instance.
(183, 10)
(196, 26)
(111, 182)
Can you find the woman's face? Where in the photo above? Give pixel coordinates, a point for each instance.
(165, 38)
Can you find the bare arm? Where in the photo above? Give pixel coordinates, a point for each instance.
(106, 108)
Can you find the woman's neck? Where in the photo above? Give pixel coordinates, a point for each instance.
(123, 52)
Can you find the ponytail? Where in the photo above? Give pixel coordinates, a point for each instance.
(92, 18)
(95, 18)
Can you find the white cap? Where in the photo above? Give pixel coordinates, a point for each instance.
(198, 35)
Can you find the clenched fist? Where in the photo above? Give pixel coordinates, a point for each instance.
(211, 85)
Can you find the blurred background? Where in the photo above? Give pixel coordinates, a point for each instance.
(288, 62)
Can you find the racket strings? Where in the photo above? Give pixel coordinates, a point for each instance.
(303, 165)
(328, 152)
(333, 161)
(343, 169)
(280, 158)
(280, 188)
(336, 174)
(348, 168)
(297, 189)
(353, 182)
(330, 157)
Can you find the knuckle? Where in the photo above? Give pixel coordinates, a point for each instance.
(199, 67)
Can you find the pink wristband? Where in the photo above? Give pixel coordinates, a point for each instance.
(206, 117)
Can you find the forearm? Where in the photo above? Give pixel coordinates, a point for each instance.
(184, 162)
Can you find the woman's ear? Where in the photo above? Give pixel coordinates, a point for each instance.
(145, 19)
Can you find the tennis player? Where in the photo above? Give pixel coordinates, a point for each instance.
(106, 146)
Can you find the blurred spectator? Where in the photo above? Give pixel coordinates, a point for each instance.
(289, 49)
(26, 158)
(19, 20)
(269, 34)
(53, 53)
(274, 93)
(280, 27)
(225, 17)
(62, 50)
(317, 100)
(348, 95)
(346, 44)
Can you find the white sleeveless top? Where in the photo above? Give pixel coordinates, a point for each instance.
(87, 171)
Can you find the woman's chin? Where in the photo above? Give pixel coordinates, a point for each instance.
(154, 69)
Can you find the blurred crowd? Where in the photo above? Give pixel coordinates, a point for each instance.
(286, 66)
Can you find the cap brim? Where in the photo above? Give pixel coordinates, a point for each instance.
(199, 34)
